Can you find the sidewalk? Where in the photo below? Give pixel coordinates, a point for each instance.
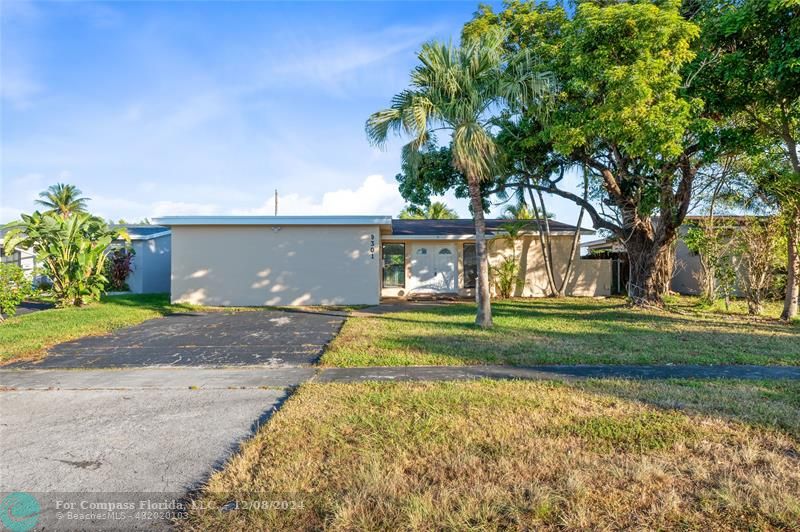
(442, 373)
(284, 377)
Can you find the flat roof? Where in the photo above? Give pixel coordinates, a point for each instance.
(142, 231)
(466, 226)
(273, 220)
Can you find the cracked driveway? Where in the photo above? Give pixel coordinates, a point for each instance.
(214, 339)
(151, 408)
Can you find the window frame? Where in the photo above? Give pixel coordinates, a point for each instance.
(383, 265)
(466, 282)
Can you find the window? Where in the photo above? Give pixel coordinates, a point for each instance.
(422, 251)
(394, 265)
(445, 251)
(470, 265)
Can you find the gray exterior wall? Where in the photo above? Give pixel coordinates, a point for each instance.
(254, 265)
(151, 266)
(687, 268)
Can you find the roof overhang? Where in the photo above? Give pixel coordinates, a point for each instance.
(173, 221)
(150, 236)
(489, 235)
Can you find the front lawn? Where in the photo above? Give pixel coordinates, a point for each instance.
(29, 335)
(520, 455)
(567, 331)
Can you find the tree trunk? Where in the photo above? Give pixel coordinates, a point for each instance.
(551, 282)
(482, 294)
(649, 262)
(793, 273)
(562, 290)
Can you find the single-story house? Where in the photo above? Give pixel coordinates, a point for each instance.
(338, 260)
(151, 245)
(687, 270)
(24, 258)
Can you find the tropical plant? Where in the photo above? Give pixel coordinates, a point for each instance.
(506, 273)
(757, 245)
(63, 199)
(518, 211)
(437, 210)
(712, 241)
(622, 114)
(72, 251)
(15, 287)
(119, 265)
(749, 59)
(456, 88)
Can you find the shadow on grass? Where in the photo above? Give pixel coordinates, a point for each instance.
(559, 332)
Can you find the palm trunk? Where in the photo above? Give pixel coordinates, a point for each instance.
(549, 242)
(793, 273)
(562, 291)
(482, 295)
(551, 283)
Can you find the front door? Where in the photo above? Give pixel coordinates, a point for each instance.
(433, 268)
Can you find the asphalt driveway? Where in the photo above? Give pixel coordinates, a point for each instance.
(214, 339)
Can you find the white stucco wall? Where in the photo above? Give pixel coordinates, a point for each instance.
(589, 277)
(254, 265)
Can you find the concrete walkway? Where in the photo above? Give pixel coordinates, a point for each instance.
(442, 373)
(143, 433)
(288, 377)
(130, 430)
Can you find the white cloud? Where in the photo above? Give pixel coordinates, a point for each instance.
(374, 196)
(181, 208)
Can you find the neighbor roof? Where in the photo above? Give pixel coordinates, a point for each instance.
(144, 232)
(466, 226)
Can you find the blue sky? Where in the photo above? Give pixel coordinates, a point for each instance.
(159, 109)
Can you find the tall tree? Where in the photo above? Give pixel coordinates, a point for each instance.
(750, 63)
(63, 199)
(622, 113)
(456, 88)
(437, 210)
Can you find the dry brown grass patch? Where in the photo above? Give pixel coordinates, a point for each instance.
(490, 455)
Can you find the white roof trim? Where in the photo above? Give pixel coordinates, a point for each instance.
(150, 237)
(427, 237)
(273, 220)
(489, 236)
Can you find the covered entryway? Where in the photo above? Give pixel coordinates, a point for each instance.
(433, 268)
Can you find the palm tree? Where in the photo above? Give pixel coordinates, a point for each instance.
(437, 210)
(520, 211)
(456, 89)
(63, 199)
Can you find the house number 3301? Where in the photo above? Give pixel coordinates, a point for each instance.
(372, 246)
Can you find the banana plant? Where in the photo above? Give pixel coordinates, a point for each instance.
(72, 252)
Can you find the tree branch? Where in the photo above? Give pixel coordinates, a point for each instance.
(597, 219)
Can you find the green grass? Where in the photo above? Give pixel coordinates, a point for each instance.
(488, 455)
(568, 331)
(29, 335)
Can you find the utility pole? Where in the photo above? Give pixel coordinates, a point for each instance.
(276, 202)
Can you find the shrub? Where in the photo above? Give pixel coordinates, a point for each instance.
(757, 243)
(15, 287)
(506, 277)
(72, 251)
(119, 266)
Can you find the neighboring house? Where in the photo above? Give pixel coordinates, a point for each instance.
(151, 261)
(24, 258)
(336, 260)
(687, 270)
